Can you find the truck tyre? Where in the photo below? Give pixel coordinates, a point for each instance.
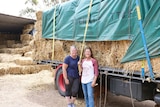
(157, 105)
(60, 82)
(54, 84)
(157, 100)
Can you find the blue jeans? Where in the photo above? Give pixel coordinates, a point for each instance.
(88, 94)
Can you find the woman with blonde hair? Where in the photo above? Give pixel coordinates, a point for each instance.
(71, 76)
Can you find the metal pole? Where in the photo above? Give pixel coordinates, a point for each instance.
(144, 40)
(105, 98)
(100, 89)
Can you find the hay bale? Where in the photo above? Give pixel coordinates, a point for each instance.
(26, 49)
(2, 71)
(24, 61)
(10, 43)
(156, 64)
(32, 44)
(38, 25)
(39, 15)
(18, 45)
(25, 70)
(43, 67)
(33, 69)
(28, 54)
(26, 38)
(38, 36)
(30, 69)
(14, 70)
(17, 51)
(6, 50)
(21, 51)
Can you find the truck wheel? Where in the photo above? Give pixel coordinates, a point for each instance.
(157, 105)
(60, 82)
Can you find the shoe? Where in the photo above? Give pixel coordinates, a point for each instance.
(69, 105)
(73, 105)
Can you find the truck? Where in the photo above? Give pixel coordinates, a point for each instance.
(135, 21)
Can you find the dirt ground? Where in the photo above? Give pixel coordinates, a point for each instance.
(37, 90)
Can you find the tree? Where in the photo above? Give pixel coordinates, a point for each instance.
(32, 6)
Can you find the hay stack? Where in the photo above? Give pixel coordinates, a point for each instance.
(38, 26)
(108, 53)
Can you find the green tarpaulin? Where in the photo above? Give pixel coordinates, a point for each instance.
(111, 20)
(152, 33)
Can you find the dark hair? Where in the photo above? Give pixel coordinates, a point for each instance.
(89, 49)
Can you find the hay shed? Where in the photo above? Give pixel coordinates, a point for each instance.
(11, 27)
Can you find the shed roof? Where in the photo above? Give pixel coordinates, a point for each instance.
(13, 24)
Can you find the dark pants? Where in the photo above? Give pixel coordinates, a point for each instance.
(73, 87)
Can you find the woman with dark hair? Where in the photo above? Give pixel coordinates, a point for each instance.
(90, 73)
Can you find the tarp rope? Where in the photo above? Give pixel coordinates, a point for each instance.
(54, 29)
(129, 31)
(85, 32)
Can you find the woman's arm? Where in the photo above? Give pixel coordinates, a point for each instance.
(64, 68)
(80, 66)
(96, 72)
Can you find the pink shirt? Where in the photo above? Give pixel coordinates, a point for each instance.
(89, 70)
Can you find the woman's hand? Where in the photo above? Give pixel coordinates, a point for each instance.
(66, 81)
(93, 84)
(79, 63)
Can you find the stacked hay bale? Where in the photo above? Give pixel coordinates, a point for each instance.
(22, 69)
(20, 57)
(26, 44)
(108, 53)
(16, 64)
(42, 47)
(8, 41)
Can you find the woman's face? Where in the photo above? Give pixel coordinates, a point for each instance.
(73, 52)
(87, 53)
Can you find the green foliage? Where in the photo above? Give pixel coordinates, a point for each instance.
(33, 2)
(32, 6)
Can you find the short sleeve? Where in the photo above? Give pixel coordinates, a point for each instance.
(66, 60)
(95, 64)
